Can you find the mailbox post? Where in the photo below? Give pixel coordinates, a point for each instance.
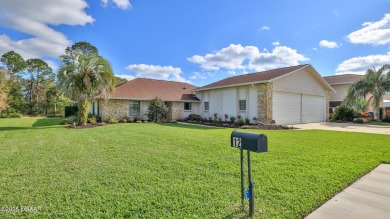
(251, 142)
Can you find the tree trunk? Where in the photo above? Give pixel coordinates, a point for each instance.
(83, 112)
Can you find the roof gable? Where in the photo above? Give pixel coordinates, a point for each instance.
(343, 79)
(257, 77)
(147, 89)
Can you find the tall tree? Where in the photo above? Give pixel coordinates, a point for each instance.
(13, 63)
(3, 89)
(15, 66)
(41, 78)
(85, 75)
(376, 83)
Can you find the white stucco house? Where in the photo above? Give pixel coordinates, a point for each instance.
(290, 95)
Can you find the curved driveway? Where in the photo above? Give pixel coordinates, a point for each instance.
(346, 127)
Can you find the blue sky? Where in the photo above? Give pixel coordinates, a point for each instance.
(203, 41)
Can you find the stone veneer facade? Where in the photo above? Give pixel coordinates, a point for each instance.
(117, 108)
(264, 103)
(175, 110)
(328, 93)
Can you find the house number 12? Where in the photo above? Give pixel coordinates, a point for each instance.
(237, 142)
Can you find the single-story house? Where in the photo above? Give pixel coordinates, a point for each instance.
(341, 84)
(132, 99)
(290, 95)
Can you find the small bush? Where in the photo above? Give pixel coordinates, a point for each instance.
(215, 116)
(241, 122)
(210, 119)
(193, 117)
(359, 120)
(92, 119)
(232, 119)
(226, 117)
(124, 120)
(112, 120)
(219, 119)
(387, 118)
(239, 117)
(9, 113)
(69, 120)
(343, 113)
(247, 121)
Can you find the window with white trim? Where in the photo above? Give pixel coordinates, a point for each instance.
(206, 106)
(187, 106)
(242, 104)
(134, 108)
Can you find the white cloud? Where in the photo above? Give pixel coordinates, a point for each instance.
(36, 19)
(128, 77)
(359, 65)
(236, 57)
(376, 33)
(157, 72)
(315, 49)
(198, 75)
(122, 4)
(276, 43)
(328, 44)
(265, 27)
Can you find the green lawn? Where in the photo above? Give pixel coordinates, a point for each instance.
(378, 123)
(172, 171)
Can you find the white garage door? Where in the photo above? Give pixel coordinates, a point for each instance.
(286, 108)
(289, 108)
(312, 109)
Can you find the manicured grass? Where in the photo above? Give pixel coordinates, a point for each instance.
(172, 171)
(378, 123)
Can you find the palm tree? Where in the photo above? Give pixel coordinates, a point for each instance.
(84, 76)
(376, 83)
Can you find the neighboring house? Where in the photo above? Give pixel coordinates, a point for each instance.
(132, 99)
(341, 84)
(386, 101)
(290, 95)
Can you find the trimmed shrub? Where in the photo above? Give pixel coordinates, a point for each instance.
(247, 121)
(359, 120)
(232, 119)
(193, 117)
(241, 122)
(343, 113)
(69, 120)
(71, 111)
(112, 120)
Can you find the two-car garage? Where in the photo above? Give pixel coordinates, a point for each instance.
(300, 97)
(292, 108)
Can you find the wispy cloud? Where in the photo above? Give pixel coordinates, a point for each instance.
(376, 33)
(328, 44)
(157, 72)
(359, 65)
(248, 58)
(265, 27)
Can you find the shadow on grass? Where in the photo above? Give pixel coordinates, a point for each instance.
(43, 123)
(189, 126)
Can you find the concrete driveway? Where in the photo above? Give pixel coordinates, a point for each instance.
(346, 127)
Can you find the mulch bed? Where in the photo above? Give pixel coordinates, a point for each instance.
(235, 125)
(88, 125)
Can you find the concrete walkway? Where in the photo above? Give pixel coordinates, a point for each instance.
(369, 197)
(346, 127)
